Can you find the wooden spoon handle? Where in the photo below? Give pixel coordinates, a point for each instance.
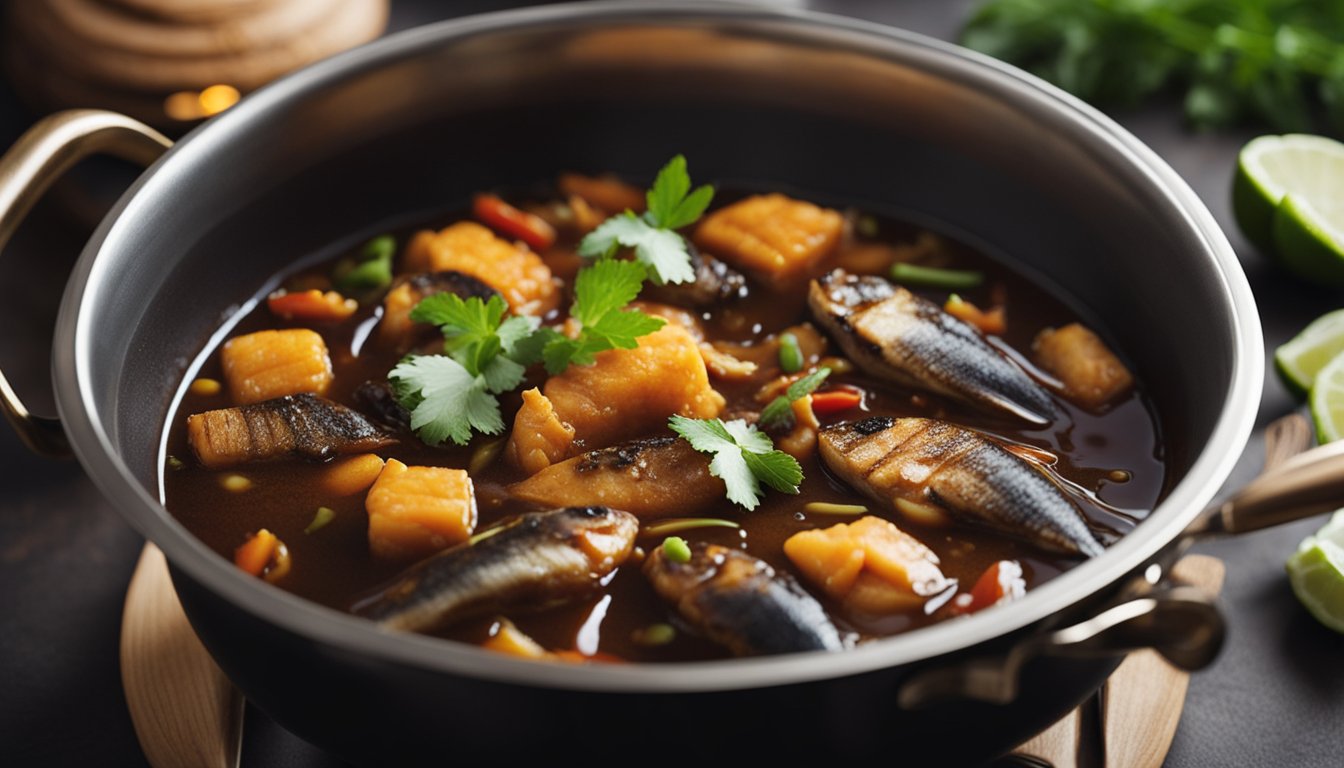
(185, 711)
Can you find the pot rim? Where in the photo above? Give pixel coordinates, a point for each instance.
(76, 333)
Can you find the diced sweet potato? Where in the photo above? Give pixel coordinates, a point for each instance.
(625, 394)
(396, 325)
(1091, 373)
(870, 566)
(539, 437)
(417, 511)
(510, 268)
(776, 238)
(269, 364)
(346, 477)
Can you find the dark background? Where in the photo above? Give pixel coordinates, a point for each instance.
(1275, 697)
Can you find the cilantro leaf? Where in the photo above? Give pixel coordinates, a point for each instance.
(600, 292)
(743, 457)
(671, 206)
(778, 413)
(446, 401)
(661, 249)
(606, 286)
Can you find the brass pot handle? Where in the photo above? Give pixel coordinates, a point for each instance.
(1308, 484)
(37, 159)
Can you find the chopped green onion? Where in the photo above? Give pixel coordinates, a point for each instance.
(654, 634)
(790, 354)
(484, 456)
(829, 508)
(373, 272)
(175, 463)
(324, 515)
(931, 277)
(380, 248)
(487, 533)
(676, 549)
(676, 524)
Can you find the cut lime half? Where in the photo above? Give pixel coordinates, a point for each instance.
(1316, 571)
(1288, 196)
(1327, 401)
(1303, 356)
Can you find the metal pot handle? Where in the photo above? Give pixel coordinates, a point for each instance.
(1180, 622)
(1308, 484)
(37, 159)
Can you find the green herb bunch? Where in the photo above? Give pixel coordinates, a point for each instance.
(1276, 61)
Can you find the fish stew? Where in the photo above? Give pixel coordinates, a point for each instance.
(470, 430)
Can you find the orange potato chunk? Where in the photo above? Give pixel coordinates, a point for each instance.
(268, 364)
(512, 641)
(346, 477)
(510, 268)
(395, 326)
(870, 566)
(626, 393)
(417, 511)
(539, 437)
(1091, 373)
(776, 238)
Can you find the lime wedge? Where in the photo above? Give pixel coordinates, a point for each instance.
(1327, 401)
(1302, 357)
(1316, 571)
(1288, 197)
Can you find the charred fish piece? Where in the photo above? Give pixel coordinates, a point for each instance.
(396, 327)
(377, 399)
(294, 425)
(537, 560)
(930, 468)
(652, 477)
(890, 332)
(742, 603)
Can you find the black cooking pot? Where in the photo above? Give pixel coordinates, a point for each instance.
(844, 112)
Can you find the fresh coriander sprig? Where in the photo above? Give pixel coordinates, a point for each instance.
(451, 395)
(743, 457)
(671, 205)
(778, 413)
(601, 291)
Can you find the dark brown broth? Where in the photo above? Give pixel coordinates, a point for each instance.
(332, 566)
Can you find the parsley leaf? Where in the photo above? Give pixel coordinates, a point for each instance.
(600, 291)
(778, 413)
(671, 206)
(446, 401)
(743, 457)
(450, 395)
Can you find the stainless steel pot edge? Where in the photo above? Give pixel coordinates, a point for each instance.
(97, 453)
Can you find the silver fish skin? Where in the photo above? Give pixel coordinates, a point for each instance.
(294, 425)
(890, 332)
(537, 560)
(958, 471)
(742, 603)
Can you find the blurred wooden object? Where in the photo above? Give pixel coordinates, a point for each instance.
(185, 711)
(133, 55)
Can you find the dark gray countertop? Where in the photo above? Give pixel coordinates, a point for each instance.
(1273, 698)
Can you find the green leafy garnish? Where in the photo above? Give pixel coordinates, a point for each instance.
(600, 293)
(445, 400)
(450, 395)
(743, 457)
(778, 413)
(1279, 61)
(671, 205)
(373, 271)
(676, 549)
